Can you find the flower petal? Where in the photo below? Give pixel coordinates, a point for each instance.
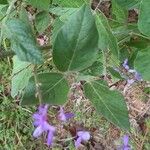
(85, 136)
(36, 116)
(138, 77)
(130, 81)
(38, 131)
(43, 109)
(36, 123)
(50, 138)
(78, 142)
(125, 64)
(125, 140)
(62, 117)
(69, 115)
(47, 126)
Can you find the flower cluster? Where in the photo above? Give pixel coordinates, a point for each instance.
(42, 125)
(136, 75)
(64, 116)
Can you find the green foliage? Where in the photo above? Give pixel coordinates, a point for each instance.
(23, 42)
(53, 89)
(127, 3)
(60, 11)
(21, 73)
(110, 104)
(144, 20)
(106, 38)
(42, 21)
(114, 73)
(3, 9)
(71, 3)
(75, 46)
(3, 2)
(119, 12)
(142, 63)
(42, 5)
(80, 45)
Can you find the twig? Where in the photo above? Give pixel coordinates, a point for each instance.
(97, 6)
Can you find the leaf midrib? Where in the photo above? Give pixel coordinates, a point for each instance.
(77, 41)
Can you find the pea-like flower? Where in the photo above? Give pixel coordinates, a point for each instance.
(64, 116)
(126, 145)
(41, 124)
(82, 136)
(136, 75)
(125, 64)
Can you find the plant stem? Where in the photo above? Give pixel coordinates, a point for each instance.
(38, 90)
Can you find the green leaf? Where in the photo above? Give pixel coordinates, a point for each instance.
(64, 14)
(120, 13)
(23, 42)
(23, 15)
(57, 24)
(110, 104)
(144, 19)
(42, 5)
(139, 43)
(21, 73)
(59, 11)
(106, 38)
(127, 3)
(42, 21)
(53, 86)
(114, 73)
(71, 3)
(3, 2)
(142, 63)
(75, 47)
(3, 9)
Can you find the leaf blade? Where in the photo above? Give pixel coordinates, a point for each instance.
(75, 45)
(144, 20)
(21, 70)
(142, 63)
(106, 103)
(54, 89)
(23, 42)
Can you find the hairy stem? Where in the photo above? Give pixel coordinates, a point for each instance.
(38, 90)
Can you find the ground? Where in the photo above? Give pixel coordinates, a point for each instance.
(16, 121)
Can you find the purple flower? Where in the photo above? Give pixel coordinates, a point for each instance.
(136, 75)
(41, 124)
(126, 145)
(82, 137)
(130, 81)
(64, 116)
(125, 64)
